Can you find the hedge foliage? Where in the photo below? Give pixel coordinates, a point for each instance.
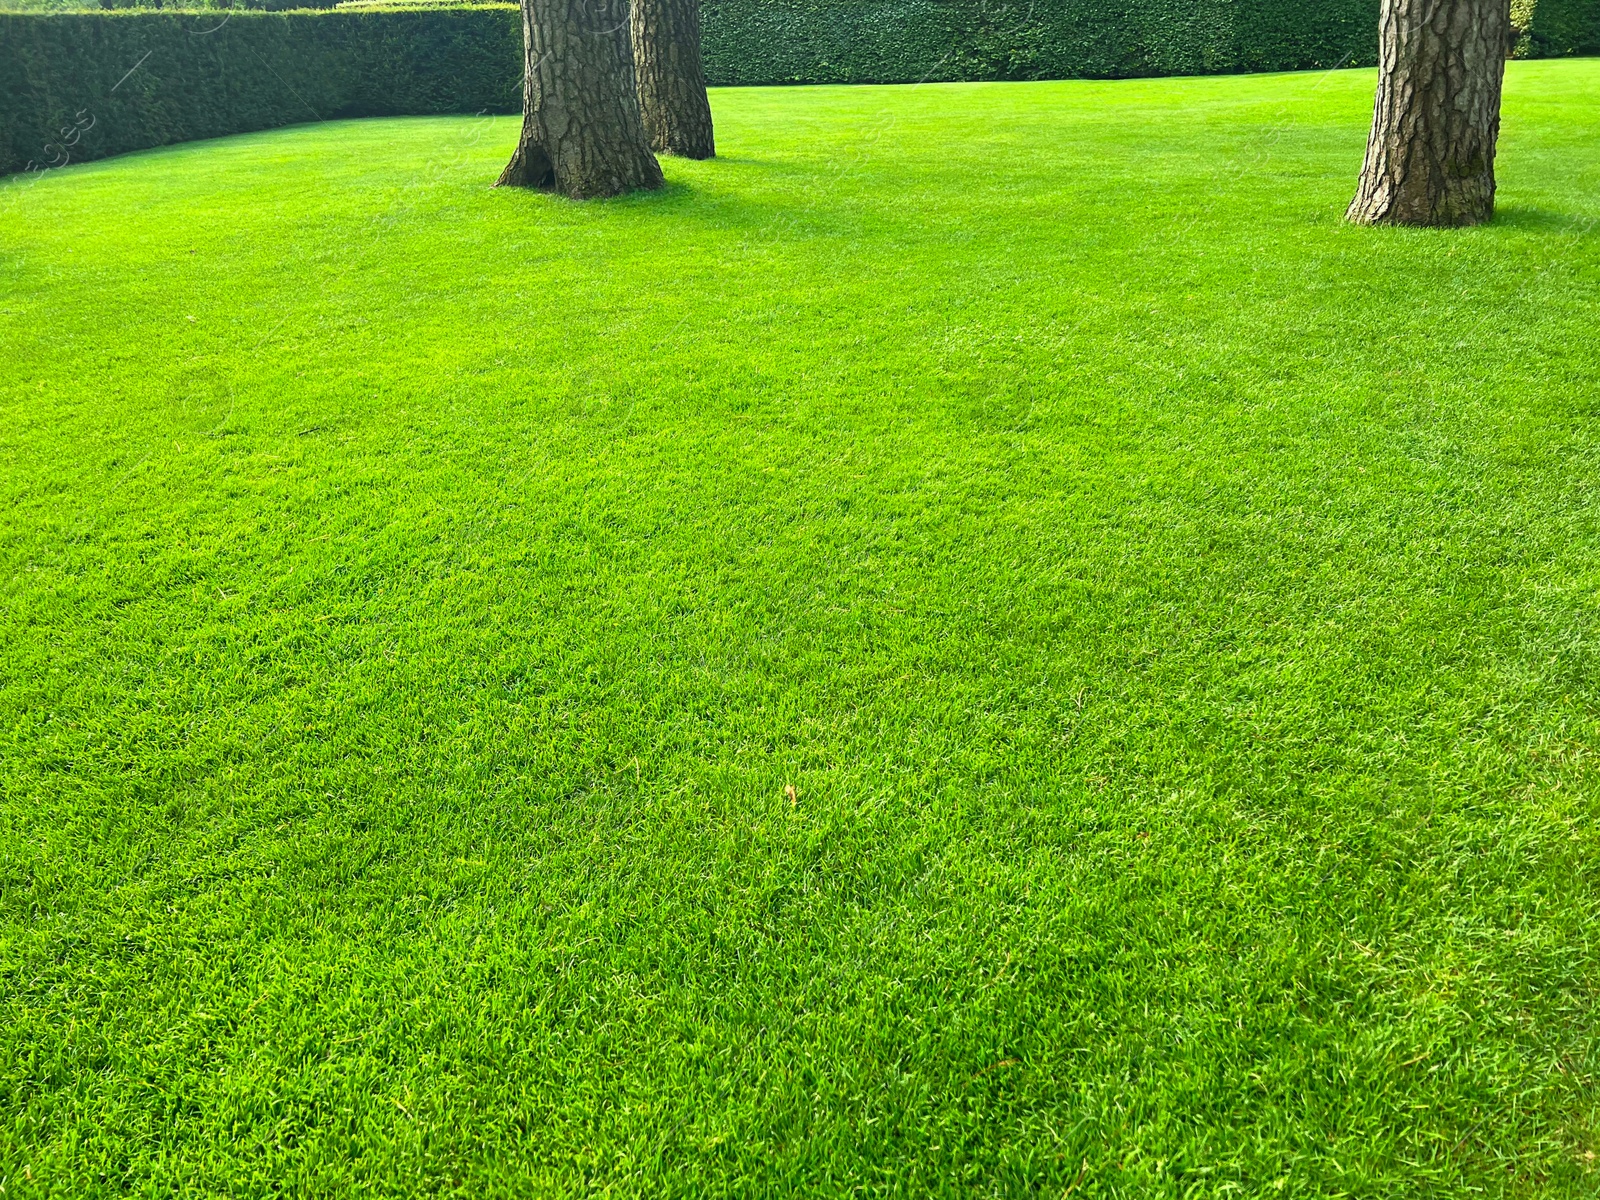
(82, 86)
(1562, 27)
(85, 85)
(903, 41)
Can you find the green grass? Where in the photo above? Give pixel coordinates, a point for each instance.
(1175, 610)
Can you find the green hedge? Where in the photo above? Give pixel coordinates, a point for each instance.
(1562, 27)
(82, 86)
(85, 85)
(902, 41)
(905, 41)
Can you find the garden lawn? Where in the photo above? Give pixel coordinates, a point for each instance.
(981, 643)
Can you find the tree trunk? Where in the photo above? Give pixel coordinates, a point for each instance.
(581, 132)
(672, 77)
(1430, 158)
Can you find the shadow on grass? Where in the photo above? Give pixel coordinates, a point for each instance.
(675, 195)
(1543, 220)
(1508, 218)
(722, 202)
(722, 168)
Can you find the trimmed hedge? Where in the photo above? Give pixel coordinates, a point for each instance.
(905, 41)
(85, 85)
(1562, 27)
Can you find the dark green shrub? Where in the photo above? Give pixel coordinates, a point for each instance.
(902, 41)
(1563, 27)
(85, 85)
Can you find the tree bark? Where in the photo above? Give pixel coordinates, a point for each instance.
(581, 131)
(1430, 157)
(672, 77)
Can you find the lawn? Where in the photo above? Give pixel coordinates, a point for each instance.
(981, 643)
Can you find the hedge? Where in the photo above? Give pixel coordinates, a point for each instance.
(1561, 27)
(84, 85)
(904, 41)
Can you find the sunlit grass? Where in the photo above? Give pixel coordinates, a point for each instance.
(1172, 610)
